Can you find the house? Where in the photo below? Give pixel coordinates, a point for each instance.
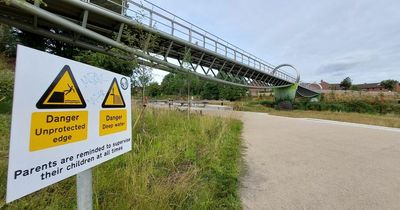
(328, 86)
(370, 87)
(362, 87)
(259, 92)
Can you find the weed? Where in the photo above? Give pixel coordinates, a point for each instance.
(175, 163)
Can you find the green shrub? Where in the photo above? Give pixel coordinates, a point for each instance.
(5, 107)
(395, 109)
(267, 103)
(345, 106)
(314, 106)
(6, 79)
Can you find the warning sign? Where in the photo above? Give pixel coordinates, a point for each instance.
(50, 129)
(64, 120)
(112, 121)
(62, 93)
(114, 97)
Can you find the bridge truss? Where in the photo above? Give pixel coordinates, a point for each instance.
(162, 40)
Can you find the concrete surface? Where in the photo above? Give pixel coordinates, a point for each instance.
(319, 164)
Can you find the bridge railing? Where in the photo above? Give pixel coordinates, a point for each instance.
(151, 15)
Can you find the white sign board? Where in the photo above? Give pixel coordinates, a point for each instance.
(67, 117)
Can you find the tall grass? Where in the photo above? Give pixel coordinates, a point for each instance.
(370, 97)
(6, 84)
(175, 163)
(388, 120)
(358, 106)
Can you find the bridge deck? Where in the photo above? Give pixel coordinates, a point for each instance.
(204, 54)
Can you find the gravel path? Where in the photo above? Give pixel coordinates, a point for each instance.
(317, 164)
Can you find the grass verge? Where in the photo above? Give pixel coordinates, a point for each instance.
(175, 163)
(388, 120)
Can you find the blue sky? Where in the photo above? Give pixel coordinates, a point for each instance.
(324, 39)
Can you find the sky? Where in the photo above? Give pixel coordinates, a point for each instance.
(324, 39)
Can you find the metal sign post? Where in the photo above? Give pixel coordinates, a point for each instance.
(84, 190)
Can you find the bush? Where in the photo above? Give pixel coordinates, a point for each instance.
(360, 107)
(395, 109)
(6, 85)
(352, 106)
(238, 106)
(344, 106)
(313, 106)
(5, 107)
(267, 103)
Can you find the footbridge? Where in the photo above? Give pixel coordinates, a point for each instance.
(152, 35)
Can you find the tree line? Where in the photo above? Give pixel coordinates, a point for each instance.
(389, 84)
(181, 85)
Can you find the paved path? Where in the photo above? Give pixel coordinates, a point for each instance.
(315, 164)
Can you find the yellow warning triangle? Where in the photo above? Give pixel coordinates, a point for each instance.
(114, 97)
(62, 93)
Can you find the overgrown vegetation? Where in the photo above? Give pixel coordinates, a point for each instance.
(388, 120)
(358, 106)
(175, 163)
(6, 85)
(352, 106)
(389, 84)
(176, 85)
(100, 60)
(346, 83)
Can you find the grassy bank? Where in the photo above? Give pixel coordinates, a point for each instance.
(388, 120)
(175, 163)
(6, 84)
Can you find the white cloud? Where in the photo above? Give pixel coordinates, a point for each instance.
(324, 39)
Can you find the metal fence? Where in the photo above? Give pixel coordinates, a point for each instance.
(159, 19)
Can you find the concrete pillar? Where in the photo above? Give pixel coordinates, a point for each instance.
(284, 96)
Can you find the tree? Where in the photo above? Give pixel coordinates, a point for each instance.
(389, 84)
(141, 77)
(107, 62)
(210, 91)
(346, 83)
(8, 41)
(6, 80)
(153, 89)
(168, 85)
(177, 84)
(231, 93)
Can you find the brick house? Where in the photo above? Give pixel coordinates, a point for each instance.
(363, 87)
(328, 86)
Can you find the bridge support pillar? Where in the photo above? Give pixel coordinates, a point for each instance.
(316, 98)
(284, 96)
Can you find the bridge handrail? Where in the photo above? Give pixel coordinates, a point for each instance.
(206, 32)
(208, 40)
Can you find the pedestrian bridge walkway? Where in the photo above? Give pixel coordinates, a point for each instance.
(156, 37)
